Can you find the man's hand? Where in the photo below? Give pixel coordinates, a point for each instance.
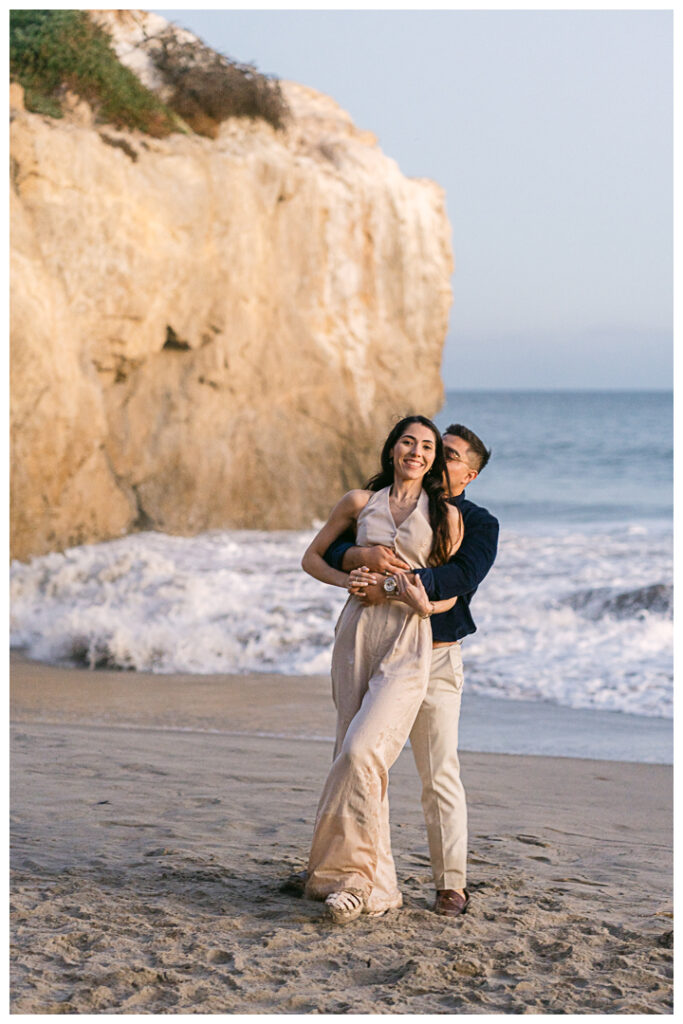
(372, 593)
(379, 558)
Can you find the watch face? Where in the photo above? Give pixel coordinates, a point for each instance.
(390, 585)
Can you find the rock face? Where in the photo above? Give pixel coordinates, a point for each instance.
(212, 333)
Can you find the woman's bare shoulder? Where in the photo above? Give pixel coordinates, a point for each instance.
(356, 500)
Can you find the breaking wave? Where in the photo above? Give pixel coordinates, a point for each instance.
(571, 617)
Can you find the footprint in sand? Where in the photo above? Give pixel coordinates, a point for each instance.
(552, 950)
(147, 768)
(474, 858)
(581, 881)
(545, 903)
(530, 840)
(220, 956)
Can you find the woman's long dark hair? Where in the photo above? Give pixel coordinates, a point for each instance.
(432, 483)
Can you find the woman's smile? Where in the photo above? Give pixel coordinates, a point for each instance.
(411, 463)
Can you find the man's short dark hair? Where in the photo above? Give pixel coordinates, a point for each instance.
(474, 443)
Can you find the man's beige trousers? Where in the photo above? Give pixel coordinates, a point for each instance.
(434, 741)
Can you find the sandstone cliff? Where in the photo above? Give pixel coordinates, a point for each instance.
(212, 332)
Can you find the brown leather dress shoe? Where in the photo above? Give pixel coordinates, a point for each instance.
(450, 903)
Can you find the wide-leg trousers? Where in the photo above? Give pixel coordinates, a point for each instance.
(380, 673)
(351, 846)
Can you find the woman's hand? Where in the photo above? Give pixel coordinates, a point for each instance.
(410, 590)
(360, 579)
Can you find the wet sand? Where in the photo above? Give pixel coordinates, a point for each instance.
(154, 819)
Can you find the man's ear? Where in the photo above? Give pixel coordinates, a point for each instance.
(473, 474)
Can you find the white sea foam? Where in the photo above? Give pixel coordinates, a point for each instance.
(568, 616)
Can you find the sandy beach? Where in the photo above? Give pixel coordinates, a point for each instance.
(154, 819)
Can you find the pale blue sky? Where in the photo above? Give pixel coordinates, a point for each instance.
(552, 134)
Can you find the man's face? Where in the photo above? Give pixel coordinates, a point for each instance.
(460, 463)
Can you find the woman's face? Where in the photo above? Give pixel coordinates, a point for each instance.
(414, 452)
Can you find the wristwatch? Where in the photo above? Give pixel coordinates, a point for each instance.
(390, 586)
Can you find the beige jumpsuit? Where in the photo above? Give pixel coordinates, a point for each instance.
(380, 671)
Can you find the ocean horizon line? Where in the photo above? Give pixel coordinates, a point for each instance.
(558, 390)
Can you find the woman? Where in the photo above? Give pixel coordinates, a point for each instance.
(380, 666)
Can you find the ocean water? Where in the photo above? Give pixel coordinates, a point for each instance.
(577, 610)
(571, 457)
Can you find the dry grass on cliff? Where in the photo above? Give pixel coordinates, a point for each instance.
(52, 51)
(208, 88)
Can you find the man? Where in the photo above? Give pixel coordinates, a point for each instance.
(434, 736)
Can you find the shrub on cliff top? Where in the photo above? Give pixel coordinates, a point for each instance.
(208, 85)
(51, 51)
